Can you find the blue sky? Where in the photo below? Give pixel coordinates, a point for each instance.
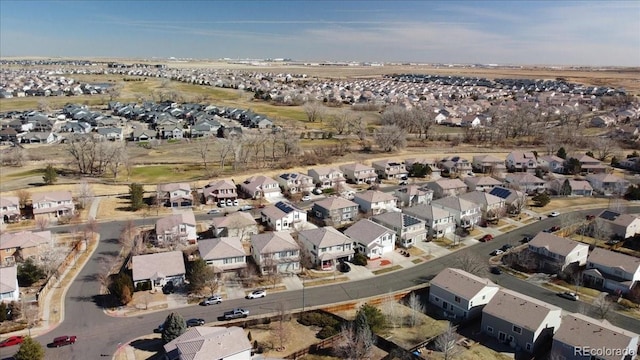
(599, 33)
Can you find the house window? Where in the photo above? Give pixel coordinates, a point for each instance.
(528, 347)
(457, 299)
(489, 329)
(517, 329)
(436, 299)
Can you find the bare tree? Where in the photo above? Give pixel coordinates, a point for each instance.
(42, 223)
(314, 110)
(50, 259)
(105, 267)
(280, 332)
(390, 138)
(604, 147)
(127, 237)
(602, 307)
(600, 229)
(390, 310)
(417, 309)
(16, 156)
(469, 262)
(24, 197)
(85, 194)
(119, 158)
(203, 148)
(446, 342)
(224, 151)
(355, 343)
(343, 121)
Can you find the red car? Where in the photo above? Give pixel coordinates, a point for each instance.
(63, 340)
(10, 341)
(486, 238)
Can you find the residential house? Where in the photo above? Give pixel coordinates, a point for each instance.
(519, 320)
(612, 271)
(9, 289)
(143, 135)
(220, 190)
(447, 187)
(39, 137)
(327, 177)
(492, 207)
(452, 165)
(588, 165)
(412, 195)
(327, 246)
(551, 163)
(53, 204)
(158, 269)
(570, 187)
(487, 164)
(335, 210)
(608, 184)
(237, 224)
(296, 183)
(283, 216)
(357, 173)
(224, 254)
(175, 195)
(438, 221)
(578, 333)
(9, 135)
(459, 294)
(9, 209)
(16, 247)
(261, 186)
(171, 131)
(110, 133)
(481, 183)
(179, 227)
(465, 213)
(431, 163)
(524, 182)
(409, 229)
(204, 342)
(513, 199)
(275, 252)
(390, 169)
(557, 253)
(521, 161)
(602, 121)
(372, 239)
(621, 225)
(375, 201)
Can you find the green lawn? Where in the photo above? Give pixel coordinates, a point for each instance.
(154, 174)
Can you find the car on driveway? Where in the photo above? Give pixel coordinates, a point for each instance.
(496, 252)
(344, 267)
(526, 239)
(495, 270)
(306, 198)
(11, 341)
(215, 299)
(554, 214)
(487, 237)
(569, 295)
(195, 322)
(64, 340)
(168, 288)
(257, 294)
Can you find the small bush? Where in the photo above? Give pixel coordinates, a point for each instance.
(359, 259)
(628, 304)
(326, 332)
(317, 319)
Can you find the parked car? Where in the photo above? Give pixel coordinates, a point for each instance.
(495, 270)
(554, 228)
(506, 247)
(229, 202)
(403, 182)
(64, 340)
(195, 322)
(257, 294)
(213, 211)
(496, 252)
(168, 288)
(612, 242)
(526, 239)
(306, 198)
(215, 299)
(344, 267)
(246, 207)
(236, 202)
(569, 295)
(222, 204)
(487, 237)
(235, 314)
(317, 191)
(11, 341)
(554, 214)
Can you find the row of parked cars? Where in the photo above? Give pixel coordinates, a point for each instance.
(57, 341)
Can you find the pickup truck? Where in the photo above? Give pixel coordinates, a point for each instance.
(235, 314)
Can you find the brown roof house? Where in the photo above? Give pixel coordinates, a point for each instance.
(514, 200)
(521, 161)
(327, 246)
(175, 195)
(412, 195)
(16, 247)
(522, 322)
(438, 221)
(551, 163)
(579, 335)
(608, 184)
(526, 182)
(487, 164)
(9, 289)
(238, 224)
(409, 229)
(203, 342)
(621, 225)
(359, 174)
(53, 204)
(327, 177)
(481, 183)
(611, 271)
(372, 239)
(556, 253)
(588, 165)
(260, 186)
(459, 294)
(159, 268)
(179, 227)
(9, 209)
(447, 187)
(219, 190)
(375, 202)
(390, 169)
(224, 254)
(335, 210)
(276, 252)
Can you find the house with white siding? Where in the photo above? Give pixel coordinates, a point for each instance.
(556, 253)
(327, 177)
(283, 216)
(409, 229)
(465, 213)
(372, 239)
(412, 195)
(357, 173)
(9, 289)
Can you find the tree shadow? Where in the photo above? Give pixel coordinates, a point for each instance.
(111, 241)
(147, 344)
(89, 278)
(110, 253)
(106, 301)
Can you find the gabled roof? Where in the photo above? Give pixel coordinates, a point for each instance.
(397, 219)
(524, 178)
(617, 218)
(456, 203)
(522, 156)
(447, 184)
(273, 241)
(324, 170)
(157, 265)
(25, 239)
(556, 244)
(487, 158)
(324, 237)
(366, 231)
(204, 343)
(169, 222)
(9, 201)
(174, 186)
(234, 220)
(461, 283)
(606, 178)
(8, 279)
(551, 158)
(220, 248)
(355, 167)
(334, 203)
(424, 211)
(374, 196)
(482, 198)
(51, 196)
(220, 184)
(505, 193)
(481, 181)
(612, 259)
(279, 210)
(519, 309)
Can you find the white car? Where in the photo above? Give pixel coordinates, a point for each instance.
(306, 198)
(496, 252)
(213, 211)
(554, 214)
(236, 202)
(257, 294)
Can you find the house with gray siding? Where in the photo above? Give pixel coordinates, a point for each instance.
(335, 210)
(459, 294)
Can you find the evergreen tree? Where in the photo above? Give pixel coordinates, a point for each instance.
(198, 274)
(566, 188)
(173, 327)
(572, 166)
(373, 316)
(50, 175)
(29, 350)
(122, 287)
(136, 194)
(633, 193)
(562, 153)
(29, 273)
(541, 199)
(3, 311)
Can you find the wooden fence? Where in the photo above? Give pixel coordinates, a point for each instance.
(68, 261)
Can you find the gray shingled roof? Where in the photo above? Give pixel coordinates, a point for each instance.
(519, 309)
(220, 248)
(556, 244)
(324, 237)
(274, 241)
(166, 264)
(201, 342)
(366, 231)
(461, 283)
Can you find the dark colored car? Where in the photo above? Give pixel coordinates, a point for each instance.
(168, 288)
(495, 270)
(506, 247)
(12, 340)
(487, 237)
(64, 340)
(195, 322)
(344, 267)
(526, 239)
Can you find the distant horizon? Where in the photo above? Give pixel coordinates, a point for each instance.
(523, 33)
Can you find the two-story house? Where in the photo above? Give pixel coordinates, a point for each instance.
(223, 254)
(519, 320)
(551, 163)
(16, 247)
(412, 195)
(447, 187)
(481, 183)
(372, 239)
(612, 271)
(409, 229)
(492, 207)
(335, 210)
(282, 216)
(431, 163)
(524, 182)
(357, 173)
(9, 209)
(438, 221)
(466, 213)
(460, 294)
(556, 253)
(158, 269)
(9, 289)
(204, 342)
(570, 187)
(375, 202)
(621, 225)
(390, 169)
(514, 200)
(237, 224)
(175, 195)
(220, 190)
(608, 184)
(521, 161)
(275, 252)
(588, 165)
(179, 227)
(261, 186)
(53, 204)
(296, 183)
(487, 164)
(452, 165)
(327, 246)
(327, 177)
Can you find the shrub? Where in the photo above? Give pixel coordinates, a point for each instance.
(628, 304)
(327, 332)
(143, 286)
(317, 319)
(359, 259)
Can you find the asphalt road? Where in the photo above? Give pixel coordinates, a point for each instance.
(100, 335)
